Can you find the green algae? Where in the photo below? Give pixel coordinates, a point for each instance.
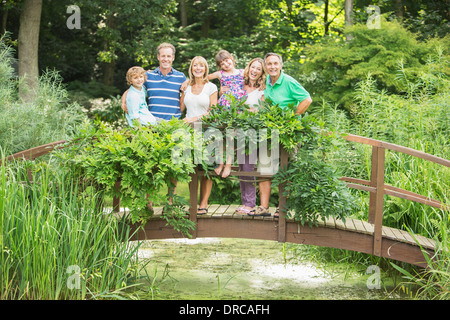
(243, 269)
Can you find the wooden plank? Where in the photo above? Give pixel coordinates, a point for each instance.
(359, 227)
(116, 199)
(398, 148)
(408, 236)
(355, 180)
(340, 224)
(368, 226)
(388, 233)
(330, 222)
(414, 197)
(218, 213)
(229, 212)
(350, 224)
(211, 210)
(284, 160)
(399, 235)
(377, 201)
(426, 242)
(36, 151)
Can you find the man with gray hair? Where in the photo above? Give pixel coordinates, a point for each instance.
(283, 89)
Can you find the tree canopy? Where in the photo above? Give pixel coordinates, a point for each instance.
(115, 35)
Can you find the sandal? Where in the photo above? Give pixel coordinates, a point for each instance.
(260, 212)
(243, 210)
(203, 211)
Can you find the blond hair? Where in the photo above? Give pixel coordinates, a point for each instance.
(135, 71)
(261, 81)
(191, 74)
(165, 45)
(223, 55)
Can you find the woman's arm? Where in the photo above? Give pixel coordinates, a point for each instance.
(182, 105)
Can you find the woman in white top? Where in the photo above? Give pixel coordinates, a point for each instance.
(254, 85)
(199, 96)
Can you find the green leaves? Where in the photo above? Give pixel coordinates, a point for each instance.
(140, 158)
(313, 188)
(314, 191)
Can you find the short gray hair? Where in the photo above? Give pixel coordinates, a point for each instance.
(273, 54)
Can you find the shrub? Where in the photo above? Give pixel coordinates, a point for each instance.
(333, 68)
(48, 118)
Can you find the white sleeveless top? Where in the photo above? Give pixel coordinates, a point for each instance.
(254, 97)
(198, 104)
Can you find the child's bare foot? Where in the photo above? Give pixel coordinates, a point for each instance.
(219, 168)
(226, 172)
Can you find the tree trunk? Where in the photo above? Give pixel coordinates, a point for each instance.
(30, 20)
(183, 13)
(205, 26)
(108, 73)
(325, 18)
(399, 5)
(348, 12)
(348, 7)
(4, 20)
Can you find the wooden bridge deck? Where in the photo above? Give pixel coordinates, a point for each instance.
(221, 221)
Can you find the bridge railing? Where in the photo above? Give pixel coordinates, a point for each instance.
(375, 186)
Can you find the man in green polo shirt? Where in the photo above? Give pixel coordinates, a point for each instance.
(281, 88)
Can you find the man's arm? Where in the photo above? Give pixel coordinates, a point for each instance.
(302, 106)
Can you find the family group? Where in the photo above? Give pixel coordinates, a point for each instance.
(165, 93)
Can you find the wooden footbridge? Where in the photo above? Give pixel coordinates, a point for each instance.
(364, 236)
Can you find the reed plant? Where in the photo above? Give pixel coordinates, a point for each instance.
(50, 117)
(418, 118)
(55, 244)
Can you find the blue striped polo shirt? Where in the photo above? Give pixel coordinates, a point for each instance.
(164, 93)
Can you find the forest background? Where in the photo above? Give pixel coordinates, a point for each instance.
(111, 36)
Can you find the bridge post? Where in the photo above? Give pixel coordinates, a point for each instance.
(376, 201)
(193, 200)
(284, 158)
(116, 197)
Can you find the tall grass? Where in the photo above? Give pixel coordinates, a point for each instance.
(50, 117)
(55, 244)
(418, 118)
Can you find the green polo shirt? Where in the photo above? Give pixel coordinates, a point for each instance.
(285, 91)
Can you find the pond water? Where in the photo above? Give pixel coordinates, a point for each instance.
(235, 269)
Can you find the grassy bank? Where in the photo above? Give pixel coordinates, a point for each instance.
(56, 243)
